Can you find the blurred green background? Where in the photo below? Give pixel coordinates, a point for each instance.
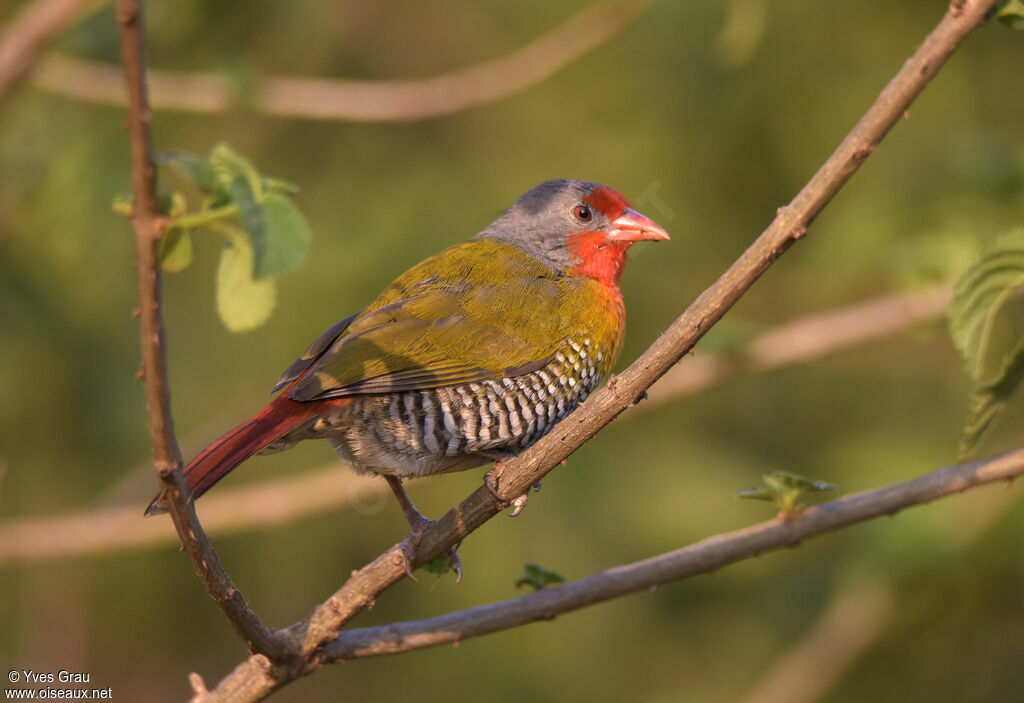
(726, 109)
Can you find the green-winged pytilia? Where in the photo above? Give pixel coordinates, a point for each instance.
(472, 354)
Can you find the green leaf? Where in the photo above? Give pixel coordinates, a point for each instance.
(758, 493)
(784, 489)
(229, 164)
(1011, 13)
(279, 185)
(538, 577)
(278, 232)
(242, 303)
(175, 250)
(252, 217)
(195, 169)
(978, 296)
(288, 236)
(989, 400)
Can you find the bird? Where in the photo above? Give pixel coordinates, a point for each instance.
(471, 355)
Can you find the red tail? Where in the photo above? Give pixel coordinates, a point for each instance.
(279, 418)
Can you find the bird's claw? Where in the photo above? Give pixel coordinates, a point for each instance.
(490, 482)
(520, 502)
(408, 549)
(453, 563)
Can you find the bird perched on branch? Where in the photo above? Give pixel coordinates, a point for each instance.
(470, 355)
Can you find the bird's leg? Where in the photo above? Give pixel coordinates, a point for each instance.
(418, 523)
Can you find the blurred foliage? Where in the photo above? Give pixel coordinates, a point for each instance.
(266, 234)
(987, 328)
(725, 121)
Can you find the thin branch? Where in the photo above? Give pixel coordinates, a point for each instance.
(702, 557)
(22, 39)
(859, 615)
(224, 512)
(804, 339)
(149, 225)
(518, 474)
(358, 101)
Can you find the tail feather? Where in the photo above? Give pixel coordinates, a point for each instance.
(279, 418)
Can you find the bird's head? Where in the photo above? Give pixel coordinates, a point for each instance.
(576, 227)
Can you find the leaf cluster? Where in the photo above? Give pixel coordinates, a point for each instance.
(265, 234)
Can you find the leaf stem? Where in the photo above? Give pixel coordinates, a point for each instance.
(203, 218)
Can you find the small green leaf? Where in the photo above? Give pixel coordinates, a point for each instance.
(538, 577)
(197, 170)
(278, 232)
(279, 185)
(758, 493)
(172, 204)
(288, 236)
(784, 489)
(978, 296)
(1011, 13)
(242, 303)
(229, 164)
(175, 250)
(989, 400)
(785, 480)
(252, 218)
(439, 565)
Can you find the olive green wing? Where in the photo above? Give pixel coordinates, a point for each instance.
(454, 319)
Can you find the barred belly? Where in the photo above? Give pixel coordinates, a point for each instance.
(422, 432)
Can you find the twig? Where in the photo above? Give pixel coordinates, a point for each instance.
(700, 558)
(149, 224)
(810, 337)
(24, 36)
(518, 474)
(228, 511)
(357, 101)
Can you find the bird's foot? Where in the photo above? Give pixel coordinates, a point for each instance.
(448, 561)
(491, 483)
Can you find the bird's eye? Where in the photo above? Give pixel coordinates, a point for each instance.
(582, 213)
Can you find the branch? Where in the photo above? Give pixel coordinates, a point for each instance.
(803, 339)
(703, 557)
(252, 680)
(149, 225)
(231, 510)
(24, 36)
(358, 101)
